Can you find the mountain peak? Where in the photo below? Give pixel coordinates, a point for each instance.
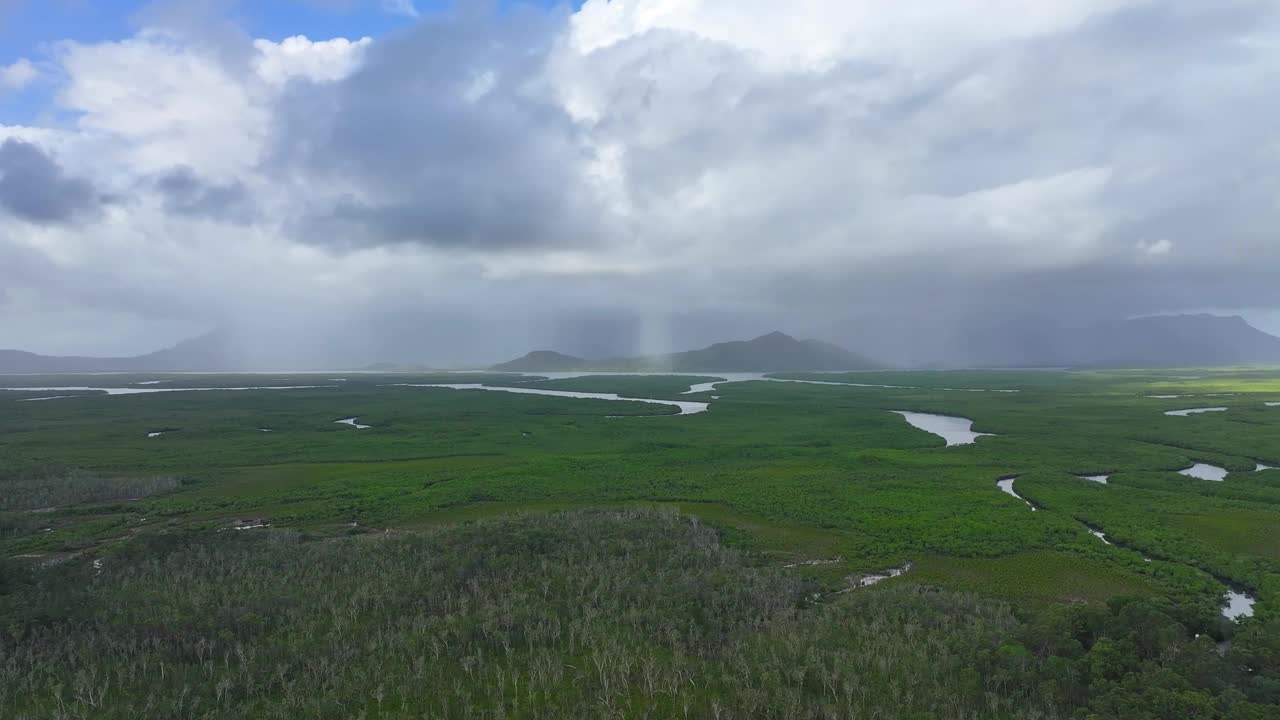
(541, 361)
(774, 352)
(775, 336)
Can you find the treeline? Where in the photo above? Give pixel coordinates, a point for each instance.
(625, 614)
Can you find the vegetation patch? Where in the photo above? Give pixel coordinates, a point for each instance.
(566, 615)
(1240, 531)
(47, 489)
(1042, 576)
(789, 487)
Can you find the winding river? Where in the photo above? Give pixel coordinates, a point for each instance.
(686, 407)
(1194, 411)
(1006, 486)
(1100, 535)
(747, 377)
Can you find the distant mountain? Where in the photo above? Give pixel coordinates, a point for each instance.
(1147, 342)
(1184, 341)
(205, 353)
(775, 352)
(542, 361)
(1009, 341)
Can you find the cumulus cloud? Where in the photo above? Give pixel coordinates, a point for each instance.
(828, 167)
(18, 74)
(297, 56)
(806, 34)
(166, 102)
(34, 188)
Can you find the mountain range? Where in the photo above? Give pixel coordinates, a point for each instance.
(1184, 341)
(1148, 342)
(775, 352)
(206, 353)
(1145, 342)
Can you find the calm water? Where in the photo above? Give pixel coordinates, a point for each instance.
(1205, 472)
(1194, 411)
(686, 408)
(1238, 605)
(1006, 486)
(955, 430)
(891, 387)
(725, 379)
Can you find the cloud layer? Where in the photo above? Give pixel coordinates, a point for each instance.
(688, 169)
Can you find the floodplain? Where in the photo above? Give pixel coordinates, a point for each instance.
(562, 550)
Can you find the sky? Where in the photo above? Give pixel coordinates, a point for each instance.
(460, 182)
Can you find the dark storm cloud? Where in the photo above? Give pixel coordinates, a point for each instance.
(446, 139)
(186, 193)
(1181, 216)
(35, 188)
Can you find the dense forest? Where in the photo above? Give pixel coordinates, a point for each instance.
(585, 614)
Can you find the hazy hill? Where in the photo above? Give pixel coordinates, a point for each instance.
(542, 361)
(774, 352)
(205, 353)
(1149, 342)
(1163, 341)
(1185, 341)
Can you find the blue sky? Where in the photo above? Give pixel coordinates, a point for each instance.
(30, 28)
(26, 26)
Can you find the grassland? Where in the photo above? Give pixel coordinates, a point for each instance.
(783, 473)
